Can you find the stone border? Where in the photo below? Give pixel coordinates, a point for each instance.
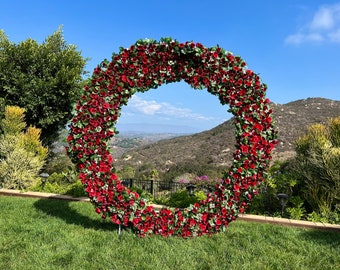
(41, 195)
(290, 222)
(245, 217)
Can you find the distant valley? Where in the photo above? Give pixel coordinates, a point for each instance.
(215, 147)
(127, 141)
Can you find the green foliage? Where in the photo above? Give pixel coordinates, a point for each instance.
(45, 79)
(200, 195)
(13, 121)
(49, 187)
(317, 165)
(19, 169)
(195, 168)
(57, 178)
(297, 211)
(280, 179)
(284, 177)
(311, 179)
(182, 198)
(63, 178)
(127, 172)
(62, 175)
(21, 153)
(59, 183)
(76, 190)
(30, 142)
(325, 217)
(145, 172)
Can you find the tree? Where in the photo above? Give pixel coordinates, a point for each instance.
(318, 164)
(22, 154)
(127, 172)
(45, 79)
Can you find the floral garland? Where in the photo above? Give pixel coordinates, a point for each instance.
(149, 64)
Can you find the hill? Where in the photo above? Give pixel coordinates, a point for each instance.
(127, 141)
(215, 147)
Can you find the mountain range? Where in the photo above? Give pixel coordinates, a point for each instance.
(215, 146)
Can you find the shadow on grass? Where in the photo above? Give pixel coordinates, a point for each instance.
(329, 238)
(61, 209)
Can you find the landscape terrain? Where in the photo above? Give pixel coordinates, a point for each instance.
(215, 146)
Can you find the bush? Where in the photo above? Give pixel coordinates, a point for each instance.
(22, 154)
(56, 178)
(76, 190)
(53, 184)
(58, 183)
(325, 217)
(297, 211)
(19, 170)
(317, 165)
(182, 199)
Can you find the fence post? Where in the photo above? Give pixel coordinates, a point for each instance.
(152, 188)
(127, 183)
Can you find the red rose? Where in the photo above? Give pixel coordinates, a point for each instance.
(124, 78)
(218, 222)
(244, 149)
(70, 137)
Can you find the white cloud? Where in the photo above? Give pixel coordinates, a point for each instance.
(163, 109)
(299, 38)
(323, 27)
(323, 19)
(144, 106)
(335, 36)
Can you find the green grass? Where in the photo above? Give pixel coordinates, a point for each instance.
(53, 234)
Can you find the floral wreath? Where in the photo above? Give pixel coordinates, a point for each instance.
(149, 64)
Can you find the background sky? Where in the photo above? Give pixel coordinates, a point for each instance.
(294, 45)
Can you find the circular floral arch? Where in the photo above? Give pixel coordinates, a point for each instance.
(149, 64)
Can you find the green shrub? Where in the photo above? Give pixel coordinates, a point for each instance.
(22, 154)
(297, 211)
(332, 217)
(317, 165)
(76, 190)
(59, 184)
(182, 199)
(58, 178)
(19, 170)
(49, 187)
(162, 200)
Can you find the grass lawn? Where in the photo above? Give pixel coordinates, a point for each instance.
(52, 234)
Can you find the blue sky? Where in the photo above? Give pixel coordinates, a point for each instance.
(294, 46)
